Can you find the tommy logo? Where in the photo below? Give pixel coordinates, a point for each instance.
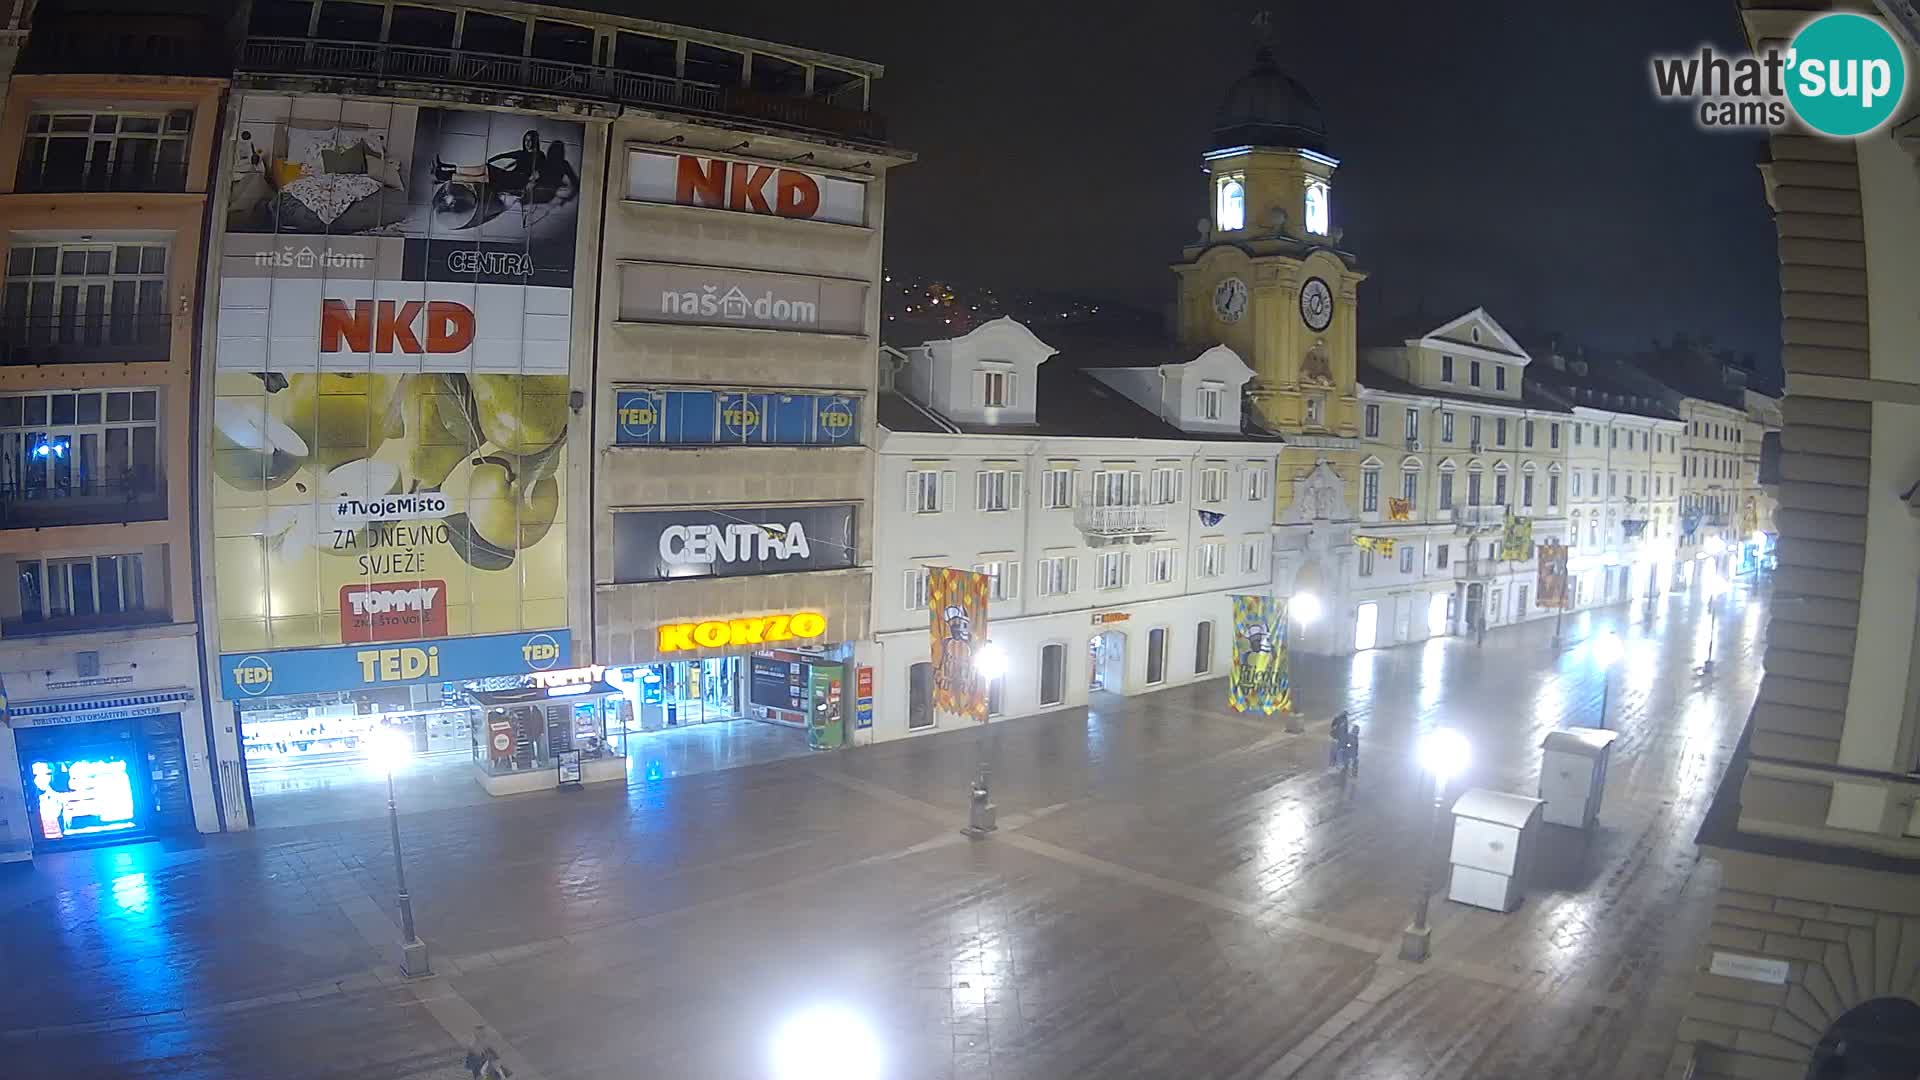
(389, 326)
(393, 612)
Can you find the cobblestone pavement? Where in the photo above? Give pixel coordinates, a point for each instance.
(1175, 891)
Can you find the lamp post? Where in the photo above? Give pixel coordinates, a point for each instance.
(413, 952)
(1606, 652)
(1443, 754)
(1716, 587)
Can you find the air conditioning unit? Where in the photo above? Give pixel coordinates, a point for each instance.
(1413, 443)
(1473, 448)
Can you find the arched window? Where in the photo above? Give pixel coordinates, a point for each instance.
(1230, 212)
(1316, 203)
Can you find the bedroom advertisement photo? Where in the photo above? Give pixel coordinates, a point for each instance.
(390, 391)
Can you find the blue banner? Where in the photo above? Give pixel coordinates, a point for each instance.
(660, 417)
(358, 667)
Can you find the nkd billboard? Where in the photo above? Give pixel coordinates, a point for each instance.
(391, 394)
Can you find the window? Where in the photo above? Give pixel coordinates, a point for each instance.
(1594, 489)
(1446, 369)
(90, 586)
(1473, 488)
(1499, 376)
(1164, 486)
(92, 295)
(1523, 599)
(1446, 491)
(1446, 427)
(1213, 484)
(705, 63)
(1473, 373)
(1058, 575)
(1113, 570)
(1500, 489)
(1611, 486)
(1410, 487)
(507, 37)
(1553, 492)
(1366, 562)
(928, 490)
(1210, 559)
(87, 442)
(1500, 431)
(1256, 483)
(1316, 411)
(1210, 399)
(1053, 674)
(1526, 433)
(1553, 436)
(1162, 564)
(1441, 553)
(1412, 426)
(1156, 656)
(1005, 575)
(1373, 421)
(570, 43)
(1370, 491)
(916, 588)
(1613, 438)
(1576, 482)
(996, 388)
(1203, 647)
(1526, 491)
(1473, 432)
(920, 697)
(108, 151)
(1253, 552)
(1116, 487)
(997, 489)
(1406, 559)
(1578, 429)
(1230, 205)
(1316, 207)
(1593, 532)
(1056, 489)
(1573, 535)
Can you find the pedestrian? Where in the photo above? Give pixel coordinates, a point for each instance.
(1338, 731)
(483, 1061)
(1350, 749)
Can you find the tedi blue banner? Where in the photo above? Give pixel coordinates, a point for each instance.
(356, 667)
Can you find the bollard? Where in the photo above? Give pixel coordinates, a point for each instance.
(981, 813)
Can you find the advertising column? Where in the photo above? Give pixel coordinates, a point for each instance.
(390, 418)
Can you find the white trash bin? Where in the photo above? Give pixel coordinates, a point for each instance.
(1493, 835)
(1573, 775)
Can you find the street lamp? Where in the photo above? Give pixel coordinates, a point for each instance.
(1443, 753)
(1305, 607)
(1606, 652)
(1716, 587)
(990, 661)
(413, 952)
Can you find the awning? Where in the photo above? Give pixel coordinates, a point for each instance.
(87, 710)
(528, 695)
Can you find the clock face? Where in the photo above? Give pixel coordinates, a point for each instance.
(1316, 304)
(1230, 299)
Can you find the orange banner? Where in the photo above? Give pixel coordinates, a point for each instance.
(957, 604)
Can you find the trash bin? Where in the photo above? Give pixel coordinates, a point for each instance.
(1573, 775)
(1492, 845)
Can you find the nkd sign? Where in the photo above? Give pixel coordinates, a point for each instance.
(659, 545)
(745, 187)
(710, 296)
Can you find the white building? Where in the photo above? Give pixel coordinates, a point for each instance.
(1117, 508)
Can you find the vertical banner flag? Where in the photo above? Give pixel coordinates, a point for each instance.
(1552, 589)
(1516, 539)
(957, 601)
(1260, 680)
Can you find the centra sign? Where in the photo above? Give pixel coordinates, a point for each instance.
(759, 630)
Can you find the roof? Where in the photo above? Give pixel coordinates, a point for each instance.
(1268, 107)
(1070, 402)
(1609, 382)
(1530, 397)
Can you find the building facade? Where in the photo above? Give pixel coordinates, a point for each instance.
(1115, 508)
(106, 158)
(1808, 967)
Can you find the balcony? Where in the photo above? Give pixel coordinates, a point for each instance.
(85, 339)
(1118, 523)
(521, 74)
(81, 624)
(1476, 569)
(46, 177)
(136, 498)
(1488, 516)
(127, 43)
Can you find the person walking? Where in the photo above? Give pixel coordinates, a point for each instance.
(1350, 749)
(1338, 732)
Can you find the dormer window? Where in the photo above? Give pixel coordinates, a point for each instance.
(1211, 400)
(996, 388)
(1476, 335)
(1230, 206)
(1317, 216)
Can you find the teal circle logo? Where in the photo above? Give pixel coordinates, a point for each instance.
(1845, 74)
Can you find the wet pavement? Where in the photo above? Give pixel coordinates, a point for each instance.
(1175, 891)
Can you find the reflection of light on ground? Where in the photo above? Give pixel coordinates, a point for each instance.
(1433, 670)
(826, 1042)
(1361, 676)
(1641, 662)
(1549, 707)
(1283, 836)
(131, 893)
(1698, 719)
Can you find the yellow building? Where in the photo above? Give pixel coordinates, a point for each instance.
(1267, 278)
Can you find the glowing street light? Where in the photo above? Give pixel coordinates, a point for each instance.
(1443, 753)
(1607, 650)
(826, 1042)
(990, 661)
(1305, 606)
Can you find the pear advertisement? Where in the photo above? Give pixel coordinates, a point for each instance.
(391, 392)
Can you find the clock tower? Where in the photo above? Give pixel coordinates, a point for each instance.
(1266, 276)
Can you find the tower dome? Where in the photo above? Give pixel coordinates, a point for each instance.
(1267, 107)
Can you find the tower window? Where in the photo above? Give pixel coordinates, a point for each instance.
(1231, 211)
(1317, 208)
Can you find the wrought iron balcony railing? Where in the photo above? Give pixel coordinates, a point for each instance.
(85, 339)
(1122, 521)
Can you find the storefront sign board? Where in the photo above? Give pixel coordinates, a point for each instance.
(303, 671)
(658, 545)
(744, 186)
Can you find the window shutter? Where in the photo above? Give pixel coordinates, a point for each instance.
(1015, 480)
(1179, 484)
(913, 491)
(980, 489)
(1073, 575)
(949, 480)
(1073, 487)
(911, 594)
(1011, 572)
(980, 387)
(1013, 389)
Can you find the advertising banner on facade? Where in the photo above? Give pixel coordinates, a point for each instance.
(672, 417)
(957, 605)
(1261, 677)
(1551, 591)
(717, 296)
(391, 394)
(655, 545)
(307, 671)
(1516, 539)
(745, 186)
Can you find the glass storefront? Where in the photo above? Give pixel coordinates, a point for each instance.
(682, 693)
(356, 727)
(104, 781)
(533, 728)
(805, 689)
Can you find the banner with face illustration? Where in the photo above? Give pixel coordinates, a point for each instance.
(1551, 589)
(957, 608)
(1261, 677)
(1516, 539)
(391, 373)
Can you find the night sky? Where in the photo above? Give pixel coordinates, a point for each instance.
(1508, 154)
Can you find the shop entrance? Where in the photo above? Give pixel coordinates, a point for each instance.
(684, 693)
(1107, 661)
(105, 782)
